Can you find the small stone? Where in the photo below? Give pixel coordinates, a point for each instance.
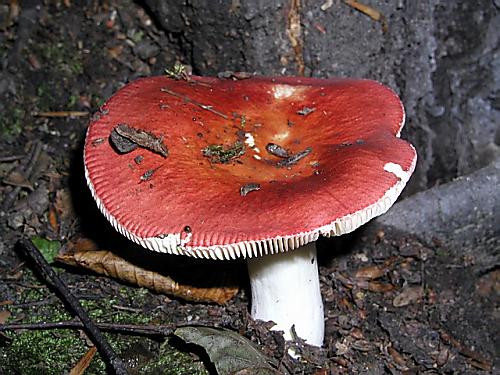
(146, 49)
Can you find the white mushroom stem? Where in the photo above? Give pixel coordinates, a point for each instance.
(285, 289)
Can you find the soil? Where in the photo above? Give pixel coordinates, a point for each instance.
(393, 304)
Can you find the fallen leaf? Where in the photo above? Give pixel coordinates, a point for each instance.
(84, 362)
(48, 248)
(230, 353)
(371, 272)
(106, 263)
(4, 315)
(52, 218)
(376, 271)
(375, 286)
(396, 356)
(16, 178)
(115, 52)
(362, 345)
(408, 296)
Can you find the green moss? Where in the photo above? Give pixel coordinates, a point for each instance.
(56, 351)
(440, 252)
(72, 100)
(11, 122)
(45, 101)
(172, 362)
(221, 154)
(42, 352)
(76, 67)
(62, 57)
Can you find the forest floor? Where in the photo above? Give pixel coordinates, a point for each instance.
(392, 303)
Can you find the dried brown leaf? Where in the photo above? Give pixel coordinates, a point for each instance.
(408, 296)
(106, 263)
(4, 315)
(396, 356)
(115, 52)
(53, 222)
(16, 178)
(363, 345)
(84, 362)
(374, 286)
(371, 272)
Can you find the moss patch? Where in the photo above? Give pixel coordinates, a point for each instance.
(56, 351)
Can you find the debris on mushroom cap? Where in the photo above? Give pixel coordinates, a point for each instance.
(247, 188)
(305, 111)
(356, 183)
(127, 138)
(277, 150)
(294, 159)
(121, 144)
(223, 154)
(148, 174)
(194, 102)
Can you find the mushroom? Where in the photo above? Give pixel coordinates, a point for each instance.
(192, 203)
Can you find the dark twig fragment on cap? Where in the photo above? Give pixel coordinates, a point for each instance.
(277, 150)
(294, 159)
(140, 138)
(247, 188)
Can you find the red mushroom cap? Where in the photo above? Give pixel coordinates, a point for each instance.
(188, 203)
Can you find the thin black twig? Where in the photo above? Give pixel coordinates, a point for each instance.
(108, 355)
(189, 100)
(131, 329)
(10, 158)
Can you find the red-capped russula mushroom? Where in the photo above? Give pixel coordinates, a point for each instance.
(257, 168)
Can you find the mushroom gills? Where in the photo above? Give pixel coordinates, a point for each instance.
(285, 289)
